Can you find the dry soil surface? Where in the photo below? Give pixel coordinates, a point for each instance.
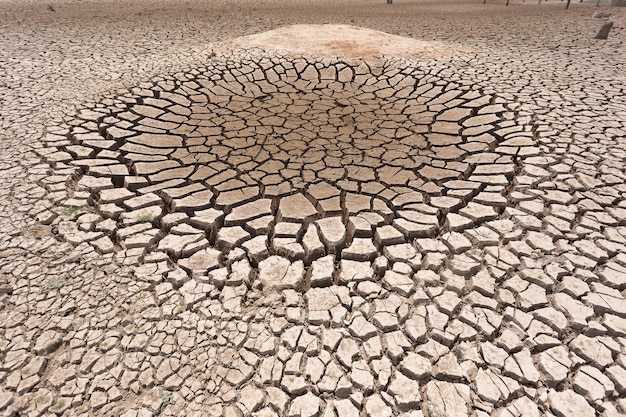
(412, 209)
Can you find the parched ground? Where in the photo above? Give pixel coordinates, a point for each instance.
(198, 218)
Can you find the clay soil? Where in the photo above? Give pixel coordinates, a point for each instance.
(60, 56)
(125, 41)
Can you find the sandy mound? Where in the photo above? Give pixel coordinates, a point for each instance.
(350, 43)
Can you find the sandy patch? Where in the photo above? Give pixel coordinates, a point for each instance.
(349, 43)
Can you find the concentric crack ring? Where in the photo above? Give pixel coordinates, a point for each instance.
(319, 160)
(524, 311)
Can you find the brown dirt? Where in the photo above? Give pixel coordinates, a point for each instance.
(133, 40)
(350, 43)
(226, 19)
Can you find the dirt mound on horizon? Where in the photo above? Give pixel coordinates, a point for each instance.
(339, 41)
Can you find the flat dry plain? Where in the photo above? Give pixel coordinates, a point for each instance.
(295, 225)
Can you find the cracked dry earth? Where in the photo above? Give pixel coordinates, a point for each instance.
(320, 221)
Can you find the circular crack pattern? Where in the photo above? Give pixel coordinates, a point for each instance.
(520, 312)
(317, 161)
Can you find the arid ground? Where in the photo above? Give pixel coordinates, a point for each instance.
(312, 208)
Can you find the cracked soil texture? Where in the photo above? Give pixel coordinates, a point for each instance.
(209, 211)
